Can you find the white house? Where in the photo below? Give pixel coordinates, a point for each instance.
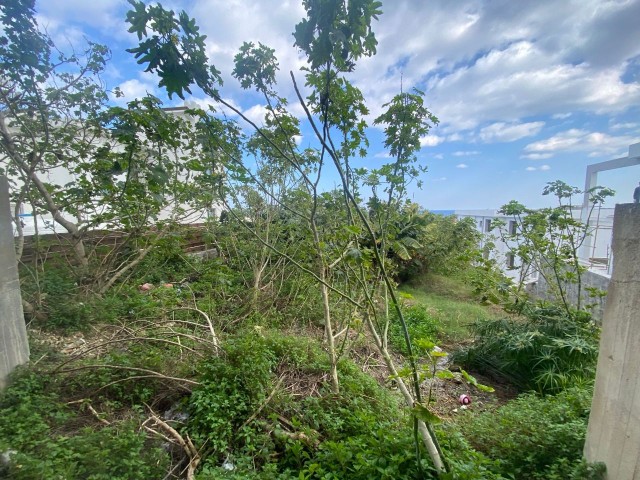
(44, 223)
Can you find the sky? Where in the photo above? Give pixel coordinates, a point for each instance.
(527, 92)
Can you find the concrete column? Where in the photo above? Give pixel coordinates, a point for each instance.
(14, 347)
(613, 436)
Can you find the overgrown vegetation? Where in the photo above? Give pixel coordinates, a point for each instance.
(288, 350)
(536, 437)
(543, 349)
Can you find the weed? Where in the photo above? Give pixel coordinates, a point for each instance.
(32, 422)
(547, 351)
(536, 437)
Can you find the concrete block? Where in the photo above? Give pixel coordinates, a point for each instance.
(613, 435)
(14, 347)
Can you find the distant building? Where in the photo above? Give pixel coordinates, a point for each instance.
(43, 223)
(597, 257)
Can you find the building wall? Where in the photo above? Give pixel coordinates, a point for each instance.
(510, 265)
(599, 280)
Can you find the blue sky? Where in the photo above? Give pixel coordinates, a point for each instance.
(526, 92)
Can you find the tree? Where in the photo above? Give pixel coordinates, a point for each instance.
(124, 168)
(333, 36)
(549, 239)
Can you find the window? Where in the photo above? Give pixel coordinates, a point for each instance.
(511, 260)
(487, 225)
(513, 227)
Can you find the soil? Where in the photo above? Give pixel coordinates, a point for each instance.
(445, 392)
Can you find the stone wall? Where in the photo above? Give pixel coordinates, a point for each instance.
(540, 289)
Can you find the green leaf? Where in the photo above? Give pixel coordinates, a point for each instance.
(437, 354)
(423, 413)
(472, 380)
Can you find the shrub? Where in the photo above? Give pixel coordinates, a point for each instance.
(546, 351)
(32, 422)
(421, 324)
(232, 388)
(536, 437)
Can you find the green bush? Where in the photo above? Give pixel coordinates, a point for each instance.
(536, 437)
(233, 386)
(382, 454)
(546, 351)
(39, 429)
(421, 324)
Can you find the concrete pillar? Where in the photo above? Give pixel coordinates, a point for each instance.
(613, 436)
(14, 347)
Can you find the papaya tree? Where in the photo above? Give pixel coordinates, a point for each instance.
(548, 240)
(333, 36)
(88, 165)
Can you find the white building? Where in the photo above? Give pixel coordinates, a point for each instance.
(44, 224)
(596, 258)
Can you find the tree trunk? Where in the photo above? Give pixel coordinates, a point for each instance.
(427, 440)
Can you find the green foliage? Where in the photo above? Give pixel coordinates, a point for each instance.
(232, 387)
(546, 351)
(465, 462)
(35, 424)
(176, 50)
(490, 285)
(421, 324)
(61, 304)
(383, 454)
(548, 239)
(421, 242)
(337, 32)
(536, 437)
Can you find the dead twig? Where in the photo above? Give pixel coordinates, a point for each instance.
(214, 337)
(171, 434)
(84, 402)
(151, 373)
(262, 405)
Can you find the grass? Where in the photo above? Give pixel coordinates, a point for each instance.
(450, 303)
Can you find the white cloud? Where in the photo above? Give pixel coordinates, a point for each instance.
(537, 156)
(625, 126)
(504, 132)
(431, 141)
(135, 88)
(542, 168)
(480, 63)
(256, 114)
(462, 165)
(491, 62)
(465, 153)
(595, 144)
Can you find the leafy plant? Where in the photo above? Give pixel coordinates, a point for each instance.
(548, 240)
(421, 324)
(546, 351)
(37, 430)
(536, 437)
